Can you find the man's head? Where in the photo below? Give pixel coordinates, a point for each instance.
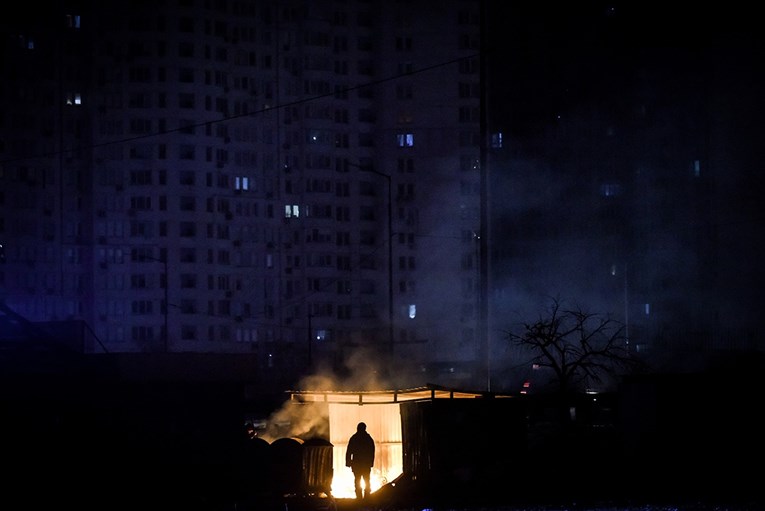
(361, 427)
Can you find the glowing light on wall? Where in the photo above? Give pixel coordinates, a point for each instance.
(384, 425)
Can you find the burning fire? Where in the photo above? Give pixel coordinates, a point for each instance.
(384, 424)
(342, 484)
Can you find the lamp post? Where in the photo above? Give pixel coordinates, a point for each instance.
(369, 168)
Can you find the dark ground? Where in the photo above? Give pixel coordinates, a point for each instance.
(352, 505)
(690, 447)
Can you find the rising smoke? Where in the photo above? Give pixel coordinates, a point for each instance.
(310, 420)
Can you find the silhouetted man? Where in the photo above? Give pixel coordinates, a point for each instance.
(360, 456)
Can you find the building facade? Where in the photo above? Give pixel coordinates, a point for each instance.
(299, 180)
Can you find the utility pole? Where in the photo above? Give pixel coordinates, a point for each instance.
(484, 348)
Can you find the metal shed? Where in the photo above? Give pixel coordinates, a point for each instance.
(428, 437)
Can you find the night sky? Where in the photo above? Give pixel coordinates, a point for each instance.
(552, 57)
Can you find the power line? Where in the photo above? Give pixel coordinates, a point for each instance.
(240, 116)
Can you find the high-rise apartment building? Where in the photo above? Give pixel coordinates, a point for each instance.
(299, 180)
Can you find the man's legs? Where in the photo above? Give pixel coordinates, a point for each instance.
(367, 483)
(357, 483)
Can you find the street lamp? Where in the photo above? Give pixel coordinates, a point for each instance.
(369, 168)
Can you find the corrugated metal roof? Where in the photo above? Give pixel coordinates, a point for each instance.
(358, 397)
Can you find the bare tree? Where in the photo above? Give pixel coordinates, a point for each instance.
(578, 346)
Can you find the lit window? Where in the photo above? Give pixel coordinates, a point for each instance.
(405, 139)
(242, 183)
(610, 189)
(73, 98)
(412, 311)
(496, 140)
(647, 309)
(291, 210)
